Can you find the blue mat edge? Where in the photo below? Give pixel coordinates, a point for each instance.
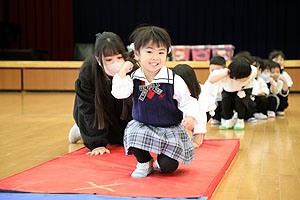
(37, 196)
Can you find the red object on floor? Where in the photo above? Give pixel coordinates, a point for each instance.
(109, 174)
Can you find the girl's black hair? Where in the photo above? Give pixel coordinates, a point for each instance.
(217, 60)
(187, 73)
(273, 65)
(275, 53)
(239, 68)
(257, 61)
(142, 35)
(266, 64)
(107, 44)
(246, 55)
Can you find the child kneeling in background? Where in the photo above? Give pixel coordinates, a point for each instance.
(237, 81)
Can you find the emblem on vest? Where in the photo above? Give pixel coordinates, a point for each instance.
(154, 87)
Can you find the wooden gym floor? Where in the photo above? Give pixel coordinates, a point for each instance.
(34, 128)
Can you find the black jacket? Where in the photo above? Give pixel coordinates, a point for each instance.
(84, 111)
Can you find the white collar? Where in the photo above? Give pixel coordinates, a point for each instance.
(165, 75)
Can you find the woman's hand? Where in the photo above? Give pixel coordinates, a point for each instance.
(188, 123)
(98, 151)
(126, 67)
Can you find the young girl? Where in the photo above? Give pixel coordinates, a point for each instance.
(237, 81)
(278, 88)
(278, 57)
(162, 106)
(215, 90)
(100, 118)
(260, 89)
(206, 103)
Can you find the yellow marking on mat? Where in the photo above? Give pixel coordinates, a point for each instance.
(100, 186)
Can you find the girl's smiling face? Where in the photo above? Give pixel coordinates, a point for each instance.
(279, 59)
(275, 73)
(152, 58)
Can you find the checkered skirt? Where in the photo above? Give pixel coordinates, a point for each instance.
(171, 141)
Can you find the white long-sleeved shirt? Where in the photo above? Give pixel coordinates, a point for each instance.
(214, 90)
(123, 88)
(288, 78)
(259, 85)
(232, 85)
(206, 104)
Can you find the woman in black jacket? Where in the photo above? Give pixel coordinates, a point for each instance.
(100, 118)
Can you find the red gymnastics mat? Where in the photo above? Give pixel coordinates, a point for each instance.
(109, 175)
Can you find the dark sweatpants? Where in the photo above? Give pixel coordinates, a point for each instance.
(231, 102)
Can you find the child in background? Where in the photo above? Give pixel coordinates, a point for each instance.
(205, 101)
(278, 87)
(260, 89)
(279, 57)
(162, 106)
(215, 90)
(100, 118)
(237, 82)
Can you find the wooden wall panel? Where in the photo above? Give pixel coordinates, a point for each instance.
(295, 75)
(49, 79)
(10, 79)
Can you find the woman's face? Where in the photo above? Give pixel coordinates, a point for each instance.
(112, 64)
(108, 60)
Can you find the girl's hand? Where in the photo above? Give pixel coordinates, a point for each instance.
(188, 123)
(271, 79)
(198, 140)
(98, 151)
(126, 67)
(282, 78)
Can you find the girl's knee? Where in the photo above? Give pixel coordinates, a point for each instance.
(167, 164)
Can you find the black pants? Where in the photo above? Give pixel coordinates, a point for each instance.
(218, 112)
(283, 103)
(261, 104)
(166, 164)
(272, 103)
(231, 102)
(250, 110)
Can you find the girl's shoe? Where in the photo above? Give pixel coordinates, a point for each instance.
(74, 134)
(143, 169)
(239, 124)
(271, 114)
(226, 124)
(215, 122)
(280, 113)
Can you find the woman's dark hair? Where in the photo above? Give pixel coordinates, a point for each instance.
(142, 35)
(107, 44)
(217, 60)
(275, 53)
(239, 68)
(187, 73)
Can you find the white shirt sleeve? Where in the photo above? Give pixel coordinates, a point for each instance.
(288, 79)
(122, 88)
(186, 103)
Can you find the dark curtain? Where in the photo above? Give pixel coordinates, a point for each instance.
(258, 26)
(45, 25)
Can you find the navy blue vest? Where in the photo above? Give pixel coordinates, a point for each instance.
(158, 110)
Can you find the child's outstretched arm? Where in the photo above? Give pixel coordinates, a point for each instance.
(218, 75)
(122, 85)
